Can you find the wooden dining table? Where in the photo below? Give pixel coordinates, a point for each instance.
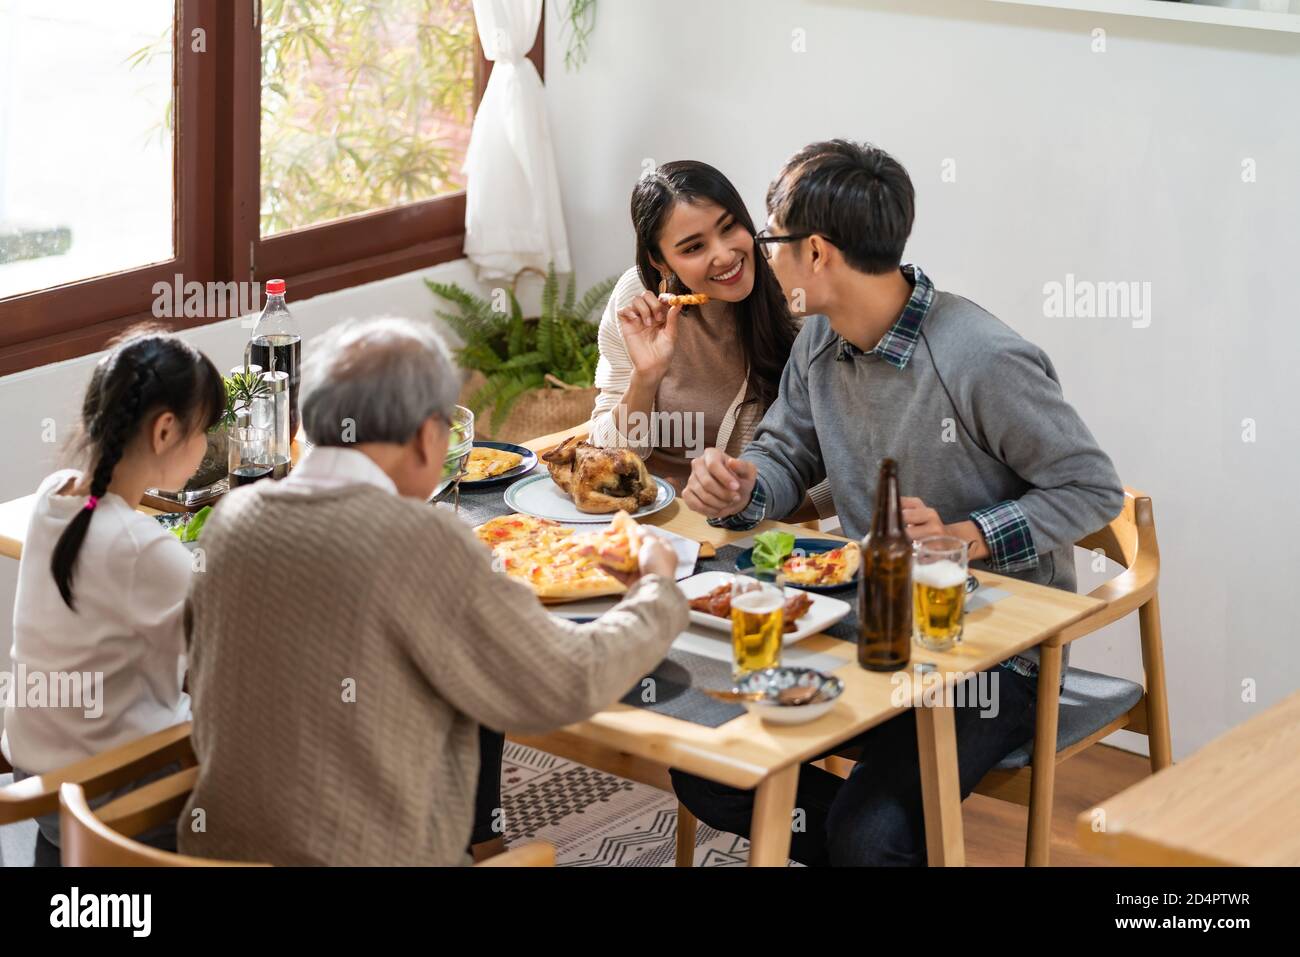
(747, 752)
(1235, 802)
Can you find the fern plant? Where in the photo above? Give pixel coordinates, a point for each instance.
(516, 354)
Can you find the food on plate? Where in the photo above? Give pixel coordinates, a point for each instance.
(691, 299)
(615, 547)
(485, 463)
(600, 480)
(836, 567)
(545, 555)
(718, 604)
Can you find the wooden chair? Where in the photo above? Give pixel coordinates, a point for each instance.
(39, 795)
(1093, 706)
(104, 838)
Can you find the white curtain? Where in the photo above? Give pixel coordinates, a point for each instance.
(513, 216)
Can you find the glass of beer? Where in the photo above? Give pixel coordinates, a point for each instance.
(757, 620)
(938, 591)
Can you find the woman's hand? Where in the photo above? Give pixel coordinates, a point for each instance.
(650, 333)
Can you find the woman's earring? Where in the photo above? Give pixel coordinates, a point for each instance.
(663, 283)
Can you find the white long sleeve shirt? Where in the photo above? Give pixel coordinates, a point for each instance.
(117, 663)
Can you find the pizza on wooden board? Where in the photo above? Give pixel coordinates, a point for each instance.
(557, 564)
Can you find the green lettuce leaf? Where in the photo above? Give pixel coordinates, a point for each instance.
(771, 550)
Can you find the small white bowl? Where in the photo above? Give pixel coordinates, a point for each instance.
(771, 681)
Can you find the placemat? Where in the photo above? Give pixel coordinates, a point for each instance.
(674, 689)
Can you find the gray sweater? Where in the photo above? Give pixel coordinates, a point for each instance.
(345, 646)
(973, 413)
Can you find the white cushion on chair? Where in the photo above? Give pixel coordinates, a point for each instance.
(1089, 702)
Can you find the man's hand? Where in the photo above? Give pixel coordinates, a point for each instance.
(719, 484)
(921, 521)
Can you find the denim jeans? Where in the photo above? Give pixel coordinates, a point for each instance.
(874, 817)
(487, 795)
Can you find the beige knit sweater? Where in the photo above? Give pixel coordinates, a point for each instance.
(344, 648)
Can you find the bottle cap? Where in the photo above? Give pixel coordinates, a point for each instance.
(275, 381)
(275, 287)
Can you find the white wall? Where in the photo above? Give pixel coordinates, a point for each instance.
(54, 391)
(1122, 165)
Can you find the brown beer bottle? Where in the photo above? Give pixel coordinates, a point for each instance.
(885, 591)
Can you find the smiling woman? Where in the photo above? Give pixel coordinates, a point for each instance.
(715, 366)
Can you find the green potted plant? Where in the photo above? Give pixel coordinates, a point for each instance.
(532, 375)
(241, 389)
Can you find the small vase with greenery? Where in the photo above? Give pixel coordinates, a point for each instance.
(241, 389)
(516, 355)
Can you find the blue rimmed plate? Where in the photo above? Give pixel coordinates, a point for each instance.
(523, 468)
(809, 546)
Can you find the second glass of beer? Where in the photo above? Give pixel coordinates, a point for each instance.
(757, 620)
(938, 591)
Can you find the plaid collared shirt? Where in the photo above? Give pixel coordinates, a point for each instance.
(896, 345)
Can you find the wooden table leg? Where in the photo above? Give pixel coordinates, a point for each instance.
(936, 740)
(1042, 780)
(769, 830)
(685, 836)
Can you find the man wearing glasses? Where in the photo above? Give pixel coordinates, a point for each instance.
(988, 450)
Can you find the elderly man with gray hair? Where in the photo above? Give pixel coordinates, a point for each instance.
(347, 640)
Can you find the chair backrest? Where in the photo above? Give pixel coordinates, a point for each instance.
(38, 795)
(1129, 540)
(86, 841)
(103, 837)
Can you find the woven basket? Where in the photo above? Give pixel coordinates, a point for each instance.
(556, 407)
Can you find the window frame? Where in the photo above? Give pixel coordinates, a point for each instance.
(77, 317)
(218, 102)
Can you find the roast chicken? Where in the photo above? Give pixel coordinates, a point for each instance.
(600, 480)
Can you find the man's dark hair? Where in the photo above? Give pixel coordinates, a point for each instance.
(857, 196)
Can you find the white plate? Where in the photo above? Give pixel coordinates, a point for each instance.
(825, 610)
(538, 495)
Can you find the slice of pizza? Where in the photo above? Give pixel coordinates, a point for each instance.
(835, 567)
(505, 529)
(690, 299)
(614, 547)
(485, 463)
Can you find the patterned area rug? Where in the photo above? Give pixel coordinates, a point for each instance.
(592, 818)
(595, 819)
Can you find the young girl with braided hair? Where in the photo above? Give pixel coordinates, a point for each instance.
(101, 586)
